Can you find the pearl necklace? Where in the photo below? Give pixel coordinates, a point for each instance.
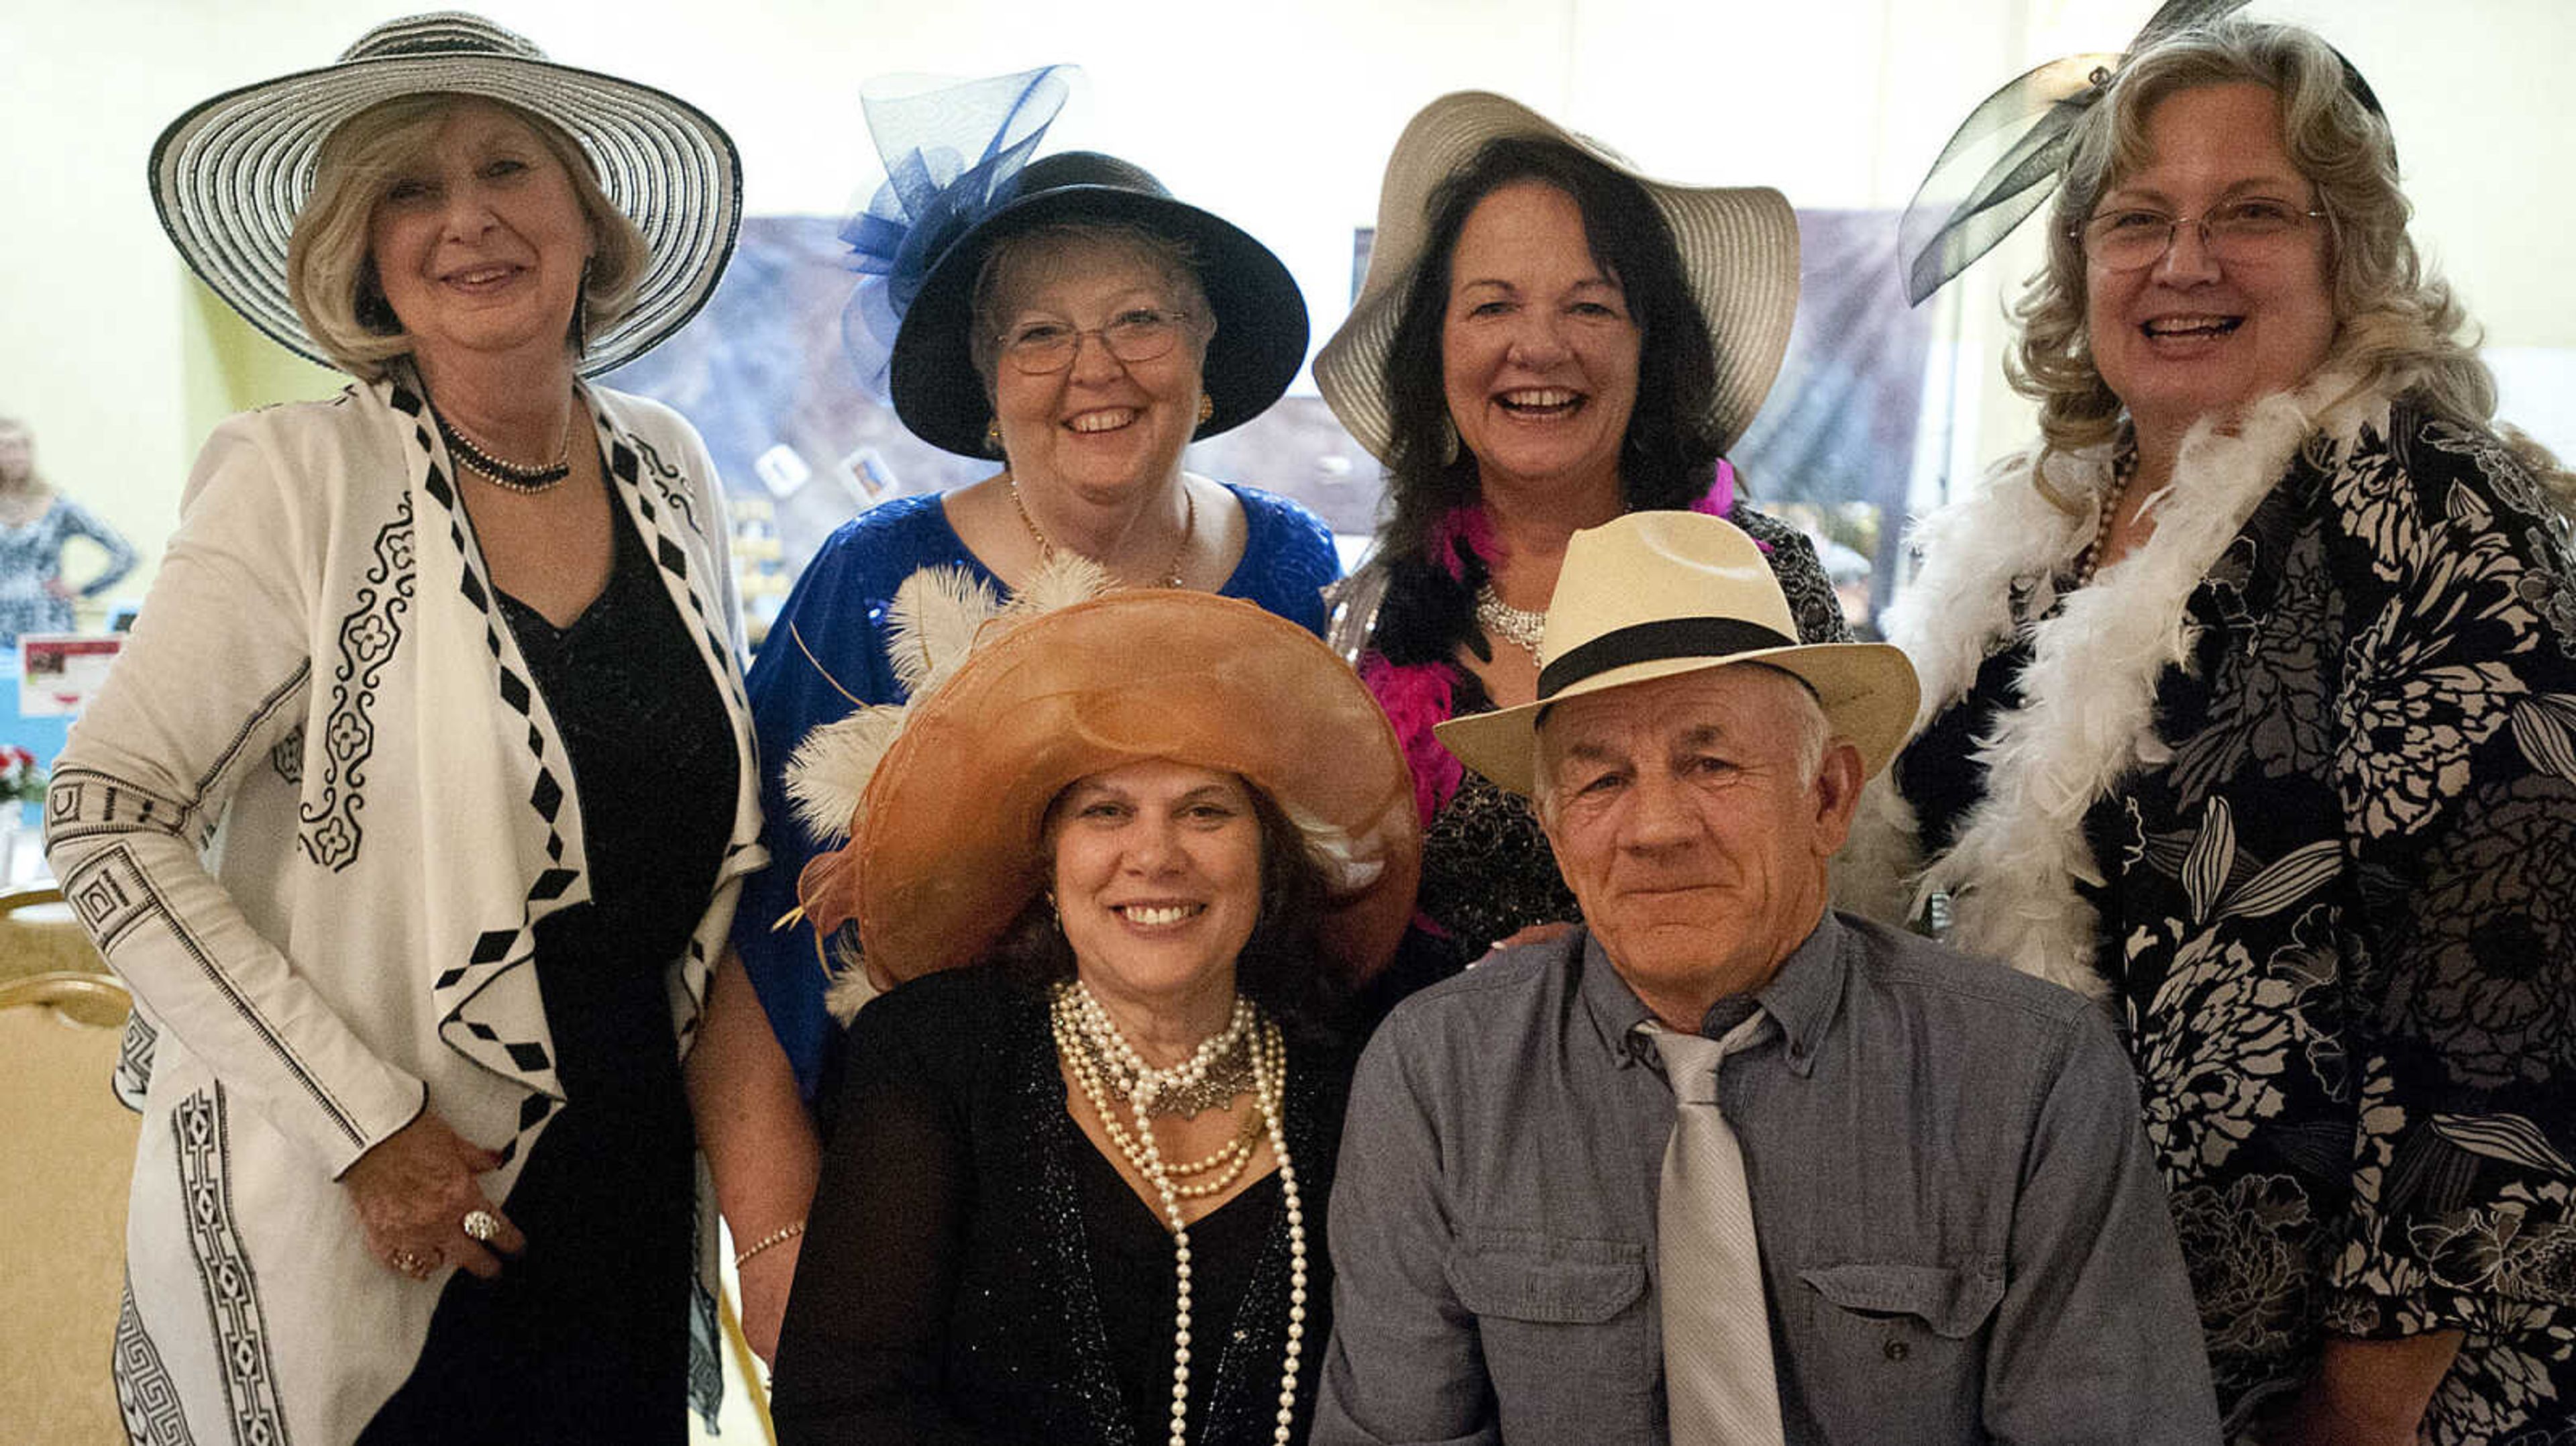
(1511, 624)
(1076, 1013)
(2106, 511)
(1046, 545)
(1225, 1073)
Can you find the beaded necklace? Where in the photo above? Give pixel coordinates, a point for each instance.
(519, 477)
(1084, 1033)
(2106, 511)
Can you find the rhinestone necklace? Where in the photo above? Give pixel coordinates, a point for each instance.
(1513, 625)
(1046, 544)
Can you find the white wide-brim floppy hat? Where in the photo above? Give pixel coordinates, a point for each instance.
(229, 176)
(1656, 594)
(1738, 245)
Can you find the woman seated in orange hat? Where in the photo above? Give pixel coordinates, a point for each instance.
(1127, 855)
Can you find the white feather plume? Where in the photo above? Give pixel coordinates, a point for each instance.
(932, 622)
(830, 769)
(850, 988)
(1061, 581)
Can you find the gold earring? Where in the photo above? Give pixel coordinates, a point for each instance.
(993, 436)
(1207, 409)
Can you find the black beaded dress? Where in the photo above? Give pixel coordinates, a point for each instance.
(585, 1338)
(977, 1271)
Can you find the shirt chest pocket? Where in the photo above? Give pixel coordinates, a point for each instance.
(1560, 1320)
(1895, 1352)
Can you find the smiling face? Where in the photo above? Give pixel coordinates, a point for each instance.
(478, 242)
(2189, 336)
(1682, 818)
(1101, 427)
(1538, 352)
(1157, 883)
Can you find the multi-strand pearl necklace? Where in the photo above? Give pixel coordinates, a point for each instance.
(1084, 1032)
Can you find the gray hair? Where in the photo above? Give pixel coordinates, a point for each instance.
(331, 276)
(1791, 695)
(2398, 326)
(1170, 258)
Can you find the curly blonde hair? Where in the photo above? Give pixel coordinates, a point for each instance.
(331, 277)
(2398, 327)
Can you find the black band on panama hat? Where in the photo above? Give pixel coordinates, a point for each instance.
(1656, 594)
(1261, 324)
(229, 176)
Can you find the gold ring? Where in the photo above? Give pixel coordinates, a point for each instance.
(481, 1225)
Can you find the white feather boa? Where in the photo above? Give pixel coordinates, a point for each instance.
(2089, 687)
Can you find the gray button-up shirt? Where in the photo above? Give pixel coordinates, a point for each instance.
(1962, 1236)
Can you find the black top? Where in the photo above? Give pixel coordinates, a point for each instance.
(586, 1337)
(976, 1271)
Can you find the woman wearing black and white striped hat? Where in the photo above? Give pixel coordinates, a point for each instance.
(444, 670)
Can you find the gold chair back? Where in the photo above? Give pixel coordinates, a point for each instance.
(38, 935)
(62, 1204)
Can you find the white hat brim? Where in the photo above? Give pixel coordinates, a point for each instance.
(1738, 245)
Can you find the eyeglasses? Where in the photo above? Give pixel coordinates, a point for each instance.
(1042, 348)
(2239, 231)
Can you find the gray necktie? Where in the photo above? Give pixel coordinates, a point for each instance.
(1717, 1335)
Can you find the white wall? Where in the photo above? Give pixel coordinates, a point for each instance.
(1278, 116)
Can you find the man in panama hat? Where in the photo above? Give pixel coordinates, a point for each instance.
(1722, 1165)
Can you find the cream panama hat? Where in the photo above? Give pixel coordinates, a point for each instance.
(1654, 594)
(1738, 245)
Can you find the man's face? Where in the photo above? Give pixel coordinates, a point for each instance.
(1684, 823)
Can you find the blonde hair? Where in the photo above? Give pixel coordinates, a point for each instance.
(35, 478)
(330, 275)
(2398, 327)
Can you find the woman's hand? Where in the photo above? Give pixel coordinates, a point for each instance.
(1534, 934)
(62, 590)
(765, 1279)
(413, 1191)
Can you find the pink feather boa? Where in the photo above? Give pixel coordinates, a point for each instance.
(1416, 696)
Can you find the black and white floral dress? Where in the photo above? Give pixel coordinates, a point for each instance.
(2326, 860)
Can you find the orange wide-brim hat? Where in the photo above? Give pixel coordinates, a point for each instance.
(949, 842)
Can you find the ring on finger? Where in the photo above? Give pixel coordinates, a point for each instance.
(413, 1263)
(480, 1225)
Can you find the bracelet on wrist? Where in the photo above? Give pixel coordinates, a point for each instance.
(779, 1236)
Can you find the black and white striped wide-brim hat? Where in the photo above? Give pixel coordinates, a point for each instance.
(229, 176)
(1738, 245)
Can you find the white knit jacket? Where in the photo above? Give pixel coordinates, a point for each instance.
(312, 820)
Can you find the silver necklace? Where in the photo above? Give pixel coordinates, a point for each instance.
(1519, 626)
